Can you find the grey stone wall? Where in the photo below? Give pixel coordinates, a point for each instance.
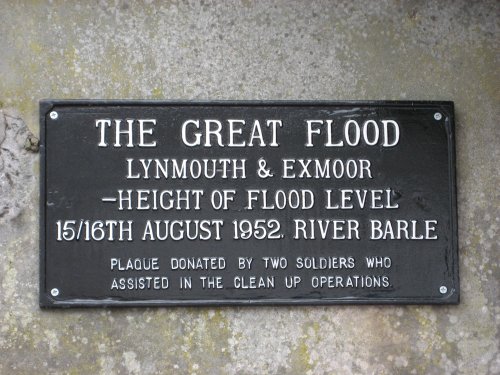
(335, 50)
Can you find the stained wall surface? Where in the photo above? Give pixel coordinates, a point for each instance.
(332, 50)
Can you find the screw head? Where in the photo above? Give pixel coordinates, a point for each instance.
(438, 116)
(443, 289)
(54, 292)
(54, 115)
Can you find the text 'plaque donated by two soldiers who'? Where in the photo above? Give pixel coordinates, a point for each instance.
(148, 203)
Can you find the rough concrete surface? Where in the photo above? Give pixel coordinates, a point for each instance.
(335, 50)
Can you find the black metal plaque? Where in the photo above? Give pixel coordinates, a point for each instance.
(215, 203)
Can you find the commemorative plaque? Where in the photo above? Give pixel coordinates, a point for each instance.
(148, 203)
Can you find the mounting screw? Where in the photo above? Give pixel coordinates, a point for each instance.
(54, 292)
(54, 115)
(443, 289)
(438, 116)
